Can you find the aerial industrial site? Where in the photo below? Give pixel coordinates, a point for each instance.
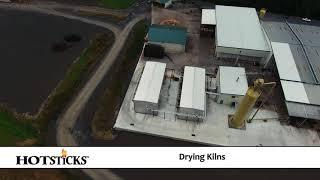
(157, 73)
(198, 66)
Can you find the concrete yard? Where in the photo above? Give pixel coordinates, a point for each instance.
(214, 129)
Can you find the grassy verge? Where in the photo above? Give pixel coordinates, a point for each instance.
(18, 129)
(79, 70)
(106, 113)
(116, 17)
(14, 132)
(117, 4)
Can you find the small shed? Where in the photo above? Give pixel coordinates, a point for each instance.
(208, 22)
(193, 96)
(232, 85)
(172, 38)
(146, 99)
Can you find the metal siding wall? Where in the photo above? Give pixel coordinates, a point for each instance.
(143, 107)
(233, 53)
(228, 100)
(190, 112)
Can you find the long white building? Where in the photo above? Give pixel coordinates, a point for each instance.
(146, 99)
(193, 94)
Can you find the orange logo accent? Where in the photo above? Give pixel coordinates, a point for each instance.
(64, 153)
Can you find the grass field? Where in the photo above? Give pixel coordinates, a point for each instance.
(13, 132)
(117, 4)
(110, 102)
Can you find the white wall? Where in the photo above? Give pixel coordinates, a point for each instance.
(245, 54)
(228, 99)
(145, 107)
(191, 114)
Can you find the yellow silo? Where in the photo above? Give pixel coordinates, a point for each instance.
(262, 12)
(246, 105)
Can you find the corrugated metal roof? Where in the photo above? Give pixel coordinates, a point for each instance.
(208, 17)
(313, 92)
(167, 34)
(291, 62)
(239, 27)
(307, 32)
(301, 92)
(278, 31)
(313, 54)
(233, 80)
(285, 61)
(294, 92)
(302, 100)
(303, 38)
(193, 88)
(150, 83)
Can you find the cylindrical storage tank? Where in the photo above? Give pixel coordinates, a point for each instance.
(262, 13)
(246, 105)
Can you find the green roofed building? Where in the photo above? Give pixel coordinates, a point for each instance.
(171, 38)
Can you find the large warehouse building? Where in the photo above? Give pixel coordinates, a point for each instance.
(239, 35)
(296, 57)
(172, 38)
(232, 85)
(193, 94)
(146, 99)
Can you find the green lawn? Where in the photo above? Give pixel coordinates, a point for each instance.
(12, 131)
(117, 4)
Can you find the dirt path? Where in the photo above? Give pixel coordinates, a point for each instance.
(67, 121)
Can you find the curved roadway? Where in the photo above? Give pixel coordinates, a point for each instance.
(68, 119)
